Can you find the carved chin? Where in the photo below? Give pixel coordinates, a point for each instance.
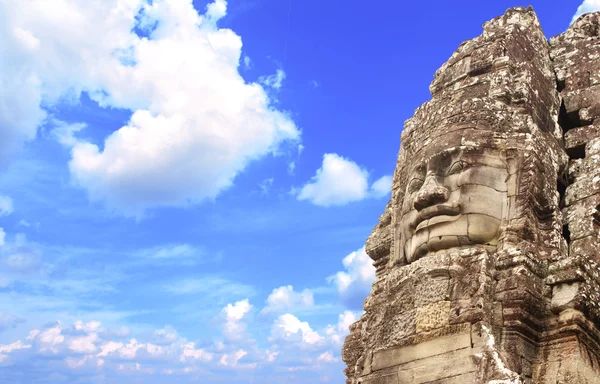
(467, 230)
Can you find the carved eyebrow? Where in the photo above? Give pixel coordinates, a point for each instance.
(420, 169)
(440, 162)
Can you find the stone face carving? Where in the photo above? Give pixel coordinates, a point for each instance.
(487, 252)
(455, 198)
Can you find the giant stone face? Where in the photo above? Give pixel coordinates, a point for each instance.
(454, 198)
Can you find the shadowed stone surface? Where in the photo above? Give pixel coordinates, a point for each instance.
(487, 253)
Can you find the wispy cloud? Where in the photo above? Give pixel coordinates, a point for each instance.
(210, 287)
(6, 205)
(273, 81)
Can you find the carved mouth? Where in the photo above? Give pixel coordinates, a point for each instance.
(442, 213)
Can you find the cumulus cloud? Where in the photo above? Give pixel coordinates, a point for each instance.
(340, 181)
(234, 327)
(195, 122)
(83, 349)
(285, 298)
(232, 359)
(300, 347)
(354, 283)
(190, 352)
(585, 7)
(289, 328)
(338, 332)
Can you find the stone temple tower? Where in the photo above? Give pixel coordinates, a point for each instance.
(487, 253)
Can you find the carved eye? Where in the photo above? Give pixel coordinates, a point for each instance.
(414, 185)
(457, 167)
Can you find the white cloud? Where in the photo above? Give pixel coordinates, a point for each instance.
(191, 353)
(49, 340)
(2, 237)
(273, 81)
(327, 357)
(338, 332)
(165, 336)
(382, 186)
(64, 132)
(232, 359)
(585, 7)
(285, 298)
(217, 10)
(196, 123)
(346, 319)
(6, 206)
(5, 350)
(287, 326)
(340, 181)
(85, 349)
(234, 327)
(84, 344)
(354, 284)
(91, 326)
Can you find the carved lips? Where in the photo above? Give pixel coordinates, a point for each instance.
(442, 213)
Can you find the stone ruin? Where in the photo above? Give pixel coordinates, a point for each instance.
(487, 253)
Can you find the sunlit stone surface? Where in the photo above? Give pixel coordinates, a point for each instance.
(487, 252)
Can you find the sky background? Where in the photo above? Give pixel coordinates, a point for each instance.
(186, 188)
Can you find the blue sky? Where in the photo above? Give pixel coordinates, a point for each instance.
(186, 188)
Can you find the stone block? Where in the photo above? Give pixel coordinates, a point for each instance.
(401, 355)
(582, 188)
(589, 114)
(431, 290)
(578, 137)
(448, 368)
(588, 248)
(582, 98)
(580, 217)
(432, 316)
(391, 378)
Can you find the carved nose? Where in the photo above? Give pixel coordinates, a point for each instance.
(431, 193)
